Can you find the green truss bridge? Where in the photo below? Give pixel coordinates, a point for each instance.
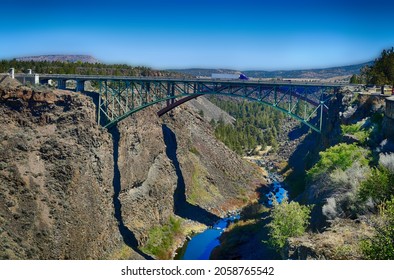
(120, 97)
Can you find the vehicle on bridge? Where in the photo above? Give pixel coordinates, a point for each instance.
(226, 76)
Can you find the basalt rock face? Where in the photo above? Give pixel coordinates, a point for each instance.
(174, 165)
(71, 190)
(147, 177)
(216, 179)
(56, 170)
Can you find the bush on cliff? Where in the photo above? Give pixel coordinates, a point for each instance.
(357, 131)
(341, 156)
(161, 239)
(381, 245)
(289, 219)
(379, 186)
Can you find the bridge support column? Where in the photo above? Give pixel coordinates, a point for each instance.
(12, 73)
(80, 86)
(61, 84)
(170, 93)
(44, 81)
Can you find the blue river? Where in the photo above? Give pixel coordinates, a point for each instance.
(201, 245)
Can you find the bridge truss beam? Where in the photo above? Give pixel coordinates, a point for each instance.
(121, 98)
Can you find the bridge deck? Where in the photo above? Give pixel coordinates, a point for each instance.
(189, 80)
(122, 96)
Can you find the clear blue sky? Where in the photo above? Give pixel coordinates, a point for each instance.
(240, 34)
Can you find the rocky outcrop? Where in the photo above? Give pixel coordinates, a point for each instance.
(56, 170)
(340, 242)
(210, 111)
(175, 165)
(147, 177)
(216, 179)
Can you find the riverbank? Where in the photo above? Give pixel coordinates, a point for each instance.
(240, 235)
(200, 246)
(245, 241)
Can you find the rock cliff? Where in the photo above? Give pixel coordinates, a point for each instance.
(340, 242)
(176, 166)
(70, 189)
(55, 178)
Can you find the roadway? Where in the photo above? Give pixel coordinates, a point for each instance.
(183, 80)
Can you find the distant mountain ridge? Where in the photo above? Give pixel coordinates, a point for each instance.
(324, 73)
(61, 58)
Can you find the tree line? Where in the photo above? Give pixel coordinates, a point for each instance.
(380, 73)
(81, 68)
(255, 124)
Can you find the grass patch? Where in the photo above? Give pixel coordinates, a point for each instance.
(201, 191)
(194, 150)
(124, 253)
(161, 239)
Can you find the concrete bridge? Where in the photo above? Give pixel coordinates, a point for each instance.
(120, 97)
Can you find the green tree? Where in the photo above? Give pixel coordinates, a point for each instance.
(288, 220)
(255, 125)
(382, 72)
(356, 79)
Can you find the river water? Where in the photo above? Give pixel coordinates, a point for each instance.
(200, 246)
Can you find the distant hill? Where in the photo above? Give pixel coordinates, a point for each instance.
(324, 73)
(61, 58)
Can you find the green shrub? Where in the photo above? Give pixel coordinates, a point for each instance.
(381, 245)
(351, 129)
(341, 156)
(288, 220)
(194, 150)
(379, 186)
(356, 130)
(161, 239)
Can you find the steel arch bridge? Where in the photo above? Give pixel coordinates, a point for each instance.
(120, 97)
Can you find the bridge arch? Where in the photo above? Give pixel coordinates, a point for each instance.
(179, 102)
(284, 98)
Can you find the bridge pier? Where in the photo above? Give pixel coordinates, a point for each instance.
(170, 93)
(80, 86)
(12, 73)
(61, 84)
(44, 81)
